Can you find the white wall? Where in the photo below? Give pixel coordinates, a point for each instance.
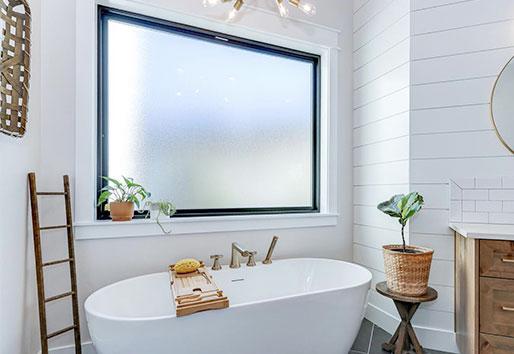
(381, 133)
(422, 74)
(18, 157)
(457, 48)
(101, 262)
(422, 69)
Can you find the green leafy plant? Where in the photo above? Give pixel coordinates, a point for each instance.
(123, 191)
(402, 207)
(163, 208)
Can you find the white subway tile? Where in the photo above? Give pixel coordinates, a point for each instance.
(501, 194)
(465, 183)
(475, 217)
(469, 205)
(489, 183)
(508, 207)
(501, 218)
(475, 194)
(456, 211)
(508, 182)
(489, 206)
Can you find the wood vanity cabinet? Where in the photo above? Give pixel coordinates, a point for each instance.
(484, 295)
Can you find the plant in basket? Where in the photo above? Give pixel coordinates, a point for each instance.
(122, 196)
(407, 267)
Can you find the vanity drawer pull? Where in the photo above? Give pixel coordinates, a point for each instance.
(497, 307)
(497, 259)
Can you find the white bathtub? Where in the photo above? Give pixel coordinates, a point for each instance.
(294, 306)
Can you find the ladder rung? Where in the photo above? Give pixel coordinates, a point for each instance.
(54, 227)
(56, 333)
(57, 262)
(57, 297)
(51, 193)
(40, 266)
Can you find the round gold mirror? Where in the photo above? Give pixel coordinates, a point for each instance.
(502, 106)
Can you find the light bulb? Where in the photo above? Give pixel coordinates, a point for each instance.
(282, 9)
(211, 3)
(308, 9)
(231, 15)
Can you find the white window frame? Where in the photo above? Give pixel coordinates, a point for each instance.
(259, 25)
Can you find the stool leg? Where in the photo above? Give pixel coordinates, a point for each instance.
(404, 338)
(389, 346)
(400, 342)
(407, 311)
(412, 335)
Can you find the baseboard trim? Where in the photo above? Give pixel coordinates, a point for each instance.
(434, 338)
(87, 348)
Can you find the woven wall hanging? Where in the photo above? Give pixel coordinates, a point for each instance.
(15, 18)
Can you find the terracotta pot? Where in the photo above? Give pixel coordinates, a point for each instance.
(122, 211)
(407, 272)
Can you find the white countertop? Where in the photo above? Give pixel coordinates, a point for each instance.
(484, 231)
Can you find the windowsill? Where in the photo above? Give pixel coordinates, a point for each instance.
(200, 225)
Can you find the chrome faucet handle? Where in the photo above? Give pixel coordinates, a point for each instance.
(216, 265)
(251, 259)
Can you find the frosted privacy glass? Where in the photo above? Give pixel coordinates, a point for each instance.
(208, 125)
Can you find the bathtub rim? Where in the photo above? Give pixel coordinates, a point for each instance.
(97, 314)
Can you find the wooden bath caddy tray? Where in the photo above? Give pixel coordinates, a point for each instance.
(196, 291)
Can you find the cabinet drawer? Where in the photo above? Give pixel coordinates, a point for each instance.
(497, 259)
(497, 306)
(490, 344)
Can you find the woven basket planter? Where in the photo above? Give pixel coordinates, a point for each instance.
(15, 18)
(407, 273)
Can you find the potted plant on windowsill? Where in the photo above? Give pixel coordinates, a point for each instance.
(123, 196)
(407, 267)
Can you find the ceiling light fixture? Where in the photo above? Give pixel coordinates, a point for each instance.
(307, 8)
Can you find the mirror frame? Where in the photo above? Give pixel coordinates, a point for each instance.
(498, 134)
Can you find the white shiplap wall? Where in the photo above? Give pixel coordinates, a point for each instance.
(381, 133)
(458, 49)
(421, 117)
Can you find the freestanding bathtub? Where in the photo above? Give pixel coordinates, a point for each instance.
(293, 306)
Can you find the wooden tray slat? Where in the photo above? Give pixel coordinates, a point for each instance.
(195, 292)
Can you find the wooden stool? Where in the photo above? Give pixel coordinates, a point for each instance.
(405, 338)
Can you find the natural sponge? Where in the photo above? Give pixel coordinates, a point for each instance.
(187, 265)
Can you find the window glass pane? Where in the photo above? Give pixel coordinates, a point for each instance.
(208, 125)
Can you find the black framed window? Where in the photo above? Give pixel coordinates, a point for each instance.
(216, 124)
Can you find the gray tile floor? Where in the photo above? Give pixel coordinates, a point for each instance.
(370, 339)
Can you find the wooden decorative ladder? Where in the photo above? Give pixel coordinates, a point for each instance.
(42, 300)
